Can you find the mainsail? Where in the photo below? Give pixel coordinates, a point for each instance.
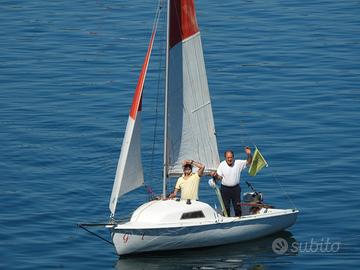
(190, 124)
(129, 172)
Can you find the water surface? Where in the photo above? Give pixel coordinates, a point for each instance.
(282, 75)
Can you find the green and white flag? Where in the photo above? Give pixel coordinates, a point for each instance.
(258, 162)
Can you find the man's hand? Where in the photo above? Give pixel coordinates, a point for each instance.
(212, 183)
(187, 162)
(215, 175)
(249, 156)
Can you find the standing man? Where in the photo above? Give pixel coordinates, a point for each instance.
(229, 172)
(189, 182)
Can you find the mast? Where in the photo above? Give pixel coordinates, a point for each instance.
(165, 96)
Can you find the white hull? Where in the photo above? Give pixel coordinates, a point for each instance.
(164, 232)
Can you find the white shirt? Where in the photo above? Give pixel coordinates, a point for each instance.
(231, 174)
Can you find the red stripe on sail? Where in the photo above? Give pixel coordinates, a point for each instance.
(137, 100)
(183, 22)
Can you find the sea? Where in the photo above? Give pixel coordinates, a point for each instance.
(283, 75)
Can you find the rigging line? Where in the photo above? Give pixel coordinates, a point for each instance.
(157, 103)
(272, 172)
(95, 234)
(153, 33)
(283, 189)
(157, 15)
(166, 108)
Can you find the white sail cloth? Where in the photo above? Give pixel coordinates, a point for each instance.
(129, 172)
(191, 131)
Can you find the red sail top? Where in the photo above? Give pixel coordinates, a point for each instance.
(137, 100)
(183, 22)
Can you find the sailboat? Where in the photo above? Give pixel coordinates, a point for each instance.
(189, 132)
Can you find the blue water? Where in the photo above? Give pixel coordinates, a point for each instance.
(284, 75)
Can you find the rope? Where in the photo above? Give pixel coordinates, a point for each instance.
(154, 29)
(95, 234)
(283, 189)
(272, 172)
(157, 108)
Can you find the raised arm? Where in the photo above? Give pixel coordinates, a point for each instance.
(200, 166)
(249, 156)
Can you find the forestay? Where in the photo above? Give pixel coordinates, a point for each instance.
(190, 124)
(129, 172)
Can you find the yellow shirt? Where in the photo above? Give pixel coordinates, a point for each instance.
(189, 187)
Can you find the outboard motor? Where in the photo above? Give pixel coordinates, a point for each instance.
(253, 197)
(251, 200)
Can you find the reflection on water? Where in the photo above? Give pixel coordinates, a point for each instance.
(255, 254)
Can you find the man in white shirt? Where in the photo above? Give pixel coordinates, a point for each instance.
(229, 172)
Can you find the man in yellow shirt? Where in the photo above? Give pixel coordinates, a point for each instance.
(189, 182)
